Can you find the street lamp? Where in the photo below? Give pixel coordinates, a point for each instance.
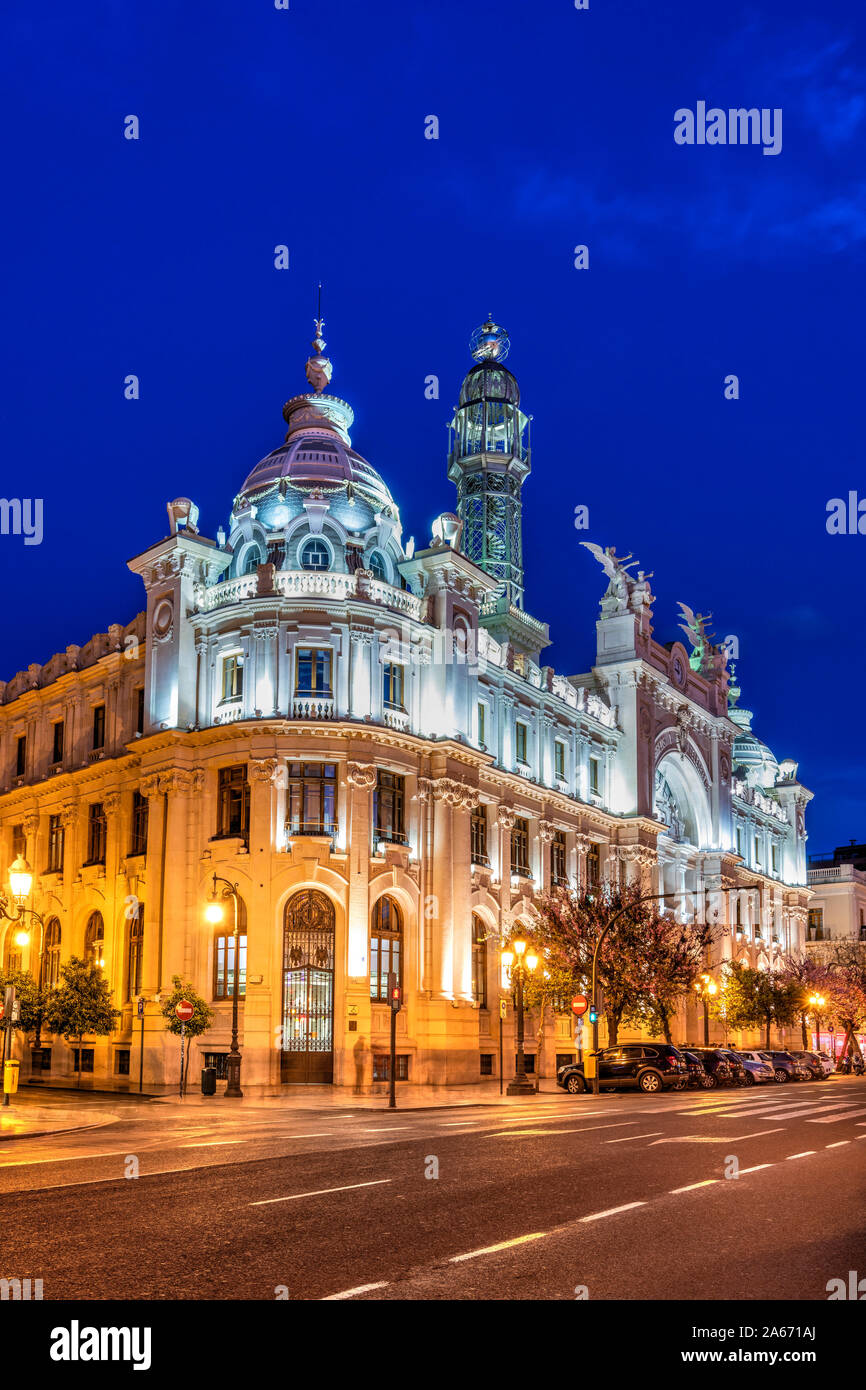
(20, 884)
(706, 987)
(817, 1001)
(520, 963)
(214, 912)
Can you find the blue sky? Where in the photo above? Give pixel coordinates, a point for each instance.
(261, 127)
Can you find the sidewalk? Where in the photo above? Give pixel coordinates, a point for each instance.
(31, 1121)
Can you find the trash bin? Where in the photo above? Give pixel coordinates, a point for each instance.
(10, 1076)
(208, 1081)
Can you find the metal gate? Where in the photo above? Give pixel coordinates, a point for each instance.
(308, 989)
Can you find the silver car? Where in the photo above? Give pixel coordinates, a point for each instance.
(758, 1069)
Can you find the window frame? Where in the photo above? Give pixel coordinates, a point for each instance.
(521, 742)
(393, 682)
(56, 844)
(233, 789)
(326, 689)
(97, 833)
(98, 731)
(390, 790)
(520, 867)
(386, 947)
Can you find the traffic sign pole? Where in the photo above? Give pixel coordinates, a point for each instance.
(184, 1010)
(141, 1058)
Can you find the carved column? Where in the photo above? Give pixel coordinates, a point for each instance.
(546, 834)
(505, 819)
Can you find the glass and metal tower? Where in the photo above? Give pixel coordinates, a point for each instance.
(488, 459)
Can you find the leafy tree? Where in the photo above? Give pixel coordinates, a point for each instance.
(80, 1004)
(28, 996)
(846, 964)
(548, 991)
(202, 1018)
(756, 999)
(646, 963)
(809, 975)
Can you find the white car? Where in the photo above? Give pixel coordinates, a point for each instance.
(826, 1062)
(758, 1069)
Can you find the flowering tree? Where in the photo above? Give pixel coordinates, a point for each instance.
(646, 963)
(808, 975)
(846, 965)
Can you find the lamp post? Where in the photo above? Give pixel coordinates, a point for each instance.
(705, 988)
(214, 912)
(519, 963)
(817, 1001)
(20, 884)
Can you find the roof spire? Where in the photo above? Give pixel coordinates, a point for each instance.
(319, 368)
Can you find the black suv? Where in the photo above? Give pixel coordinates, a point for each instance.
(786, 1067)
(738, 1071)
(651, 1067)
(716, 1064)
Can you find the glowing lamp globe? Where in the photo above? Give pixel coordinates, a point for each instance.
(20, 878)
(213, 913)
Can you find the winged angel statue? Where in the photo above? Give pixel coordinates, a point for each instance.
(626, 592)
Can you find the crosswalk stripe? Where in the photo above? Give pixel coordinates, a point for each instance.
(833, 1119)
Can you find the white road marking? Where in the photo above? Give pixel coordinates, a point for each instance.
(757, 1168)
(549, 1119)
(492, 1249)
(807, 1153)
(833, 1119)
(707, 1182)
(506, 1133)
(321, 1192)
(612, 1211)
(838, 1145)
(716, 1139)
(320, 1134)
(385, 1129)
(353, 1293)
(63, 1158)
(627, 1138)
(212, 1143)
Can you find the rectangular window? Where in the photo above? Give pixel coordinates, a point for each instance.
(224, 966)
(564, 1059)
(388, 807)
(233, 803)
(139, 710)
(138, 828)
(217, 1060)
(86, 1059)
(479, 962)
(233, 677)
(739, 841)
(19, 842)
(593, 866)
(20, 754)
(520, 742)
(478, 835)
(121, 1062)
(98, 727)
(382, 1067)
(393, 677)
(313, 671)
(559, 759)
(815, 924)
(55, 845)
(557, 858)
(520, 847)
(482, 725)
(311, 803)
(594, 775)
(774, 858)
(57, 742)
(486, 1064)
(134, 953)
(96, 833)
(757, 849)
(384, 958)
(46, 1059)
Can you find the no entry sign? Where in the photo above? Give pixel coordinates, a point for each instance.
(184, 1010)
(579, 1005)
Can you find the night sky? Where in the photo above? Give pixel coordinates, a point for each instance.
(260, 127)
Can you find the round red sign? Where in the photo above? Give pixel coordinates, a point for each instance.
(579, 1004)
(184, 1010)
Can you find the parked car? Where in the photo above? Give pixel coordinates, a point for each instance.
(649, 1067)
(757, 1070)
(716, 1065)
(786, 1067)
(698, 1074)
(736, 1064)
(826, 1062)
(813, 1063)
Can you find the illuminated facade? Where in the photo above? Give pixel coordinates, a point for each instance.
(361, 736)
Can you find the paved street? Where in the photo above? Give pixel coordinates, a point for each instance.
(533, 1199)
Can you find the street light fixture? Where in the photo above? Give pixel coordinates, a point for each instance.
(706, 987)
(817, 1001)
(20, 884)
(214, 913)
(518, 971)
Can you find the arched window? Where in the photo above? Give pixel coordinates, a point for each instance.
(252, 560)
(315, 555)
(134, 952)
(386, 948)
(479, 961)
(11, 952)
(94, 940)
(378, 567)
(224, 952)
(51, 955)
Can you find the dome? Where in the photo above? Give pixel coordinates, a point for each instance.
(318, 458)
(754, 761)
(488, 381)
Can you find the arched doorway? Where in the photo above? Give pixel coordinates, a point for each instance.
(308, 989)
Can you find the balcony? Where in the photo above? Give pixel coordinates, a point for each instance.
(316, 584)
(313, 706)
(321, 830)
(396, 718)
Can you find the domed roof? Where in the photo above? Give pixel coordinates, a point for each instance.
(318, 458)
(489, 381)
(756, 760)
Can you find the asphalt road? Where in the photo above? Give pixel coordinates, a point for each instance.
(755, 1194)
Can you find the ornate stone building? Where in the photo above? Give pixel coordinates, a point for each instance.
(361, 736)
